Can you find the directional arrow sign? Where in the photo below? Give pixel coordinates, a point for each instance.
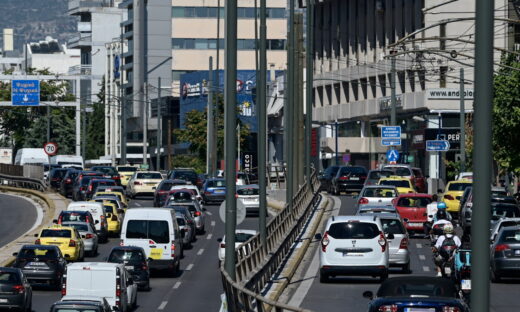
(390, 142)
(437, 145)
(392, 155)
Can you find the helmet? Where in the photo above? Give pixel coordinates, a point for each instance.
(448, 229)
(441, 215)
(441, 205)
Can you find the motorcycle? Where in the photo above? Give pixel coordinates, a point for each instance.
(446, 253)
(462, 276)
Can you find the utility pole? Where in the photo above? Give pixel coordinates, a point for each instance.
(393, 96)
(289, 107)
(230, 143)
(122, 102)
(145, 125)
(309, 86)
(462, 124)
(159, 125)
(262, 125)
(84, 131)
(168, 165)
(336, 139)
(238, 147)
(210, 157)
(48, 123)
(484, 15)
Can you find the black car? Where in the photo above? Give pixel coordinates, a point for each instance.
(80, 186)
(161, 192)
(15, 291)
(416, 293)
(134, 259)
(41, 264)
(56, 176)
(94, 183)
(108, 173)
(186, 174)
(67, 184)
(349, 179)
(81, 304)
(326, 177)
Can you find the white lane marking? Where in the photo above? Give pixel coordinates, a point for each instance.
(422, 257)
(212, 223)
(200, 252)
(419, 246)
(163, 305)
(209, 236)
(139, 205)
(189, 267)
(177, 285)
(209, 213)
(426, 269)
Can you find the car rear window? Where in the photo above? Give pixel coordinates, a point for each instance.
(247, 191)
(353, 230)
(149, 175)
(510, 236)
(77, 309)
(129, 256)
(402, 172)
(59, 173)
(108, 208)
(38, 252)
(379, 173)
(217, 183)
(392, 226)
(418, 288)
(148, 229)
(396, 183)
(105, 170)
(419, 202)
(379, 192)
(165, 186)
(351, 171)
(79, 227)
(56, 233)
(504, 211)
(127, 169)
(184, 175)
(73, 216)
(242, 237)
(9, 278)
(458, 186)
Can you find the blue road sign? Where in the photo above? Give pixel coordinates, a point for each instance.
(391, 132)
(392, 155)
(391, 142)
(25, 92)
(437, 145)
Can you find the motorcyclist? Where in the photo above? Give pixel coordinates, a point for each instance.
(431, 212)
(442, 207)
(448, 239)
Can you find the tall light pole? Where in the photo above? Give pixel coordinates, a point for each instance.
(309, 86)
(462, 124)
(262, 124)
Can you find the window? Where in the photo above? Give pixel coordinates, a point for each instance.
(458, 186)
(217, 183)
(392, 226)
(276, 44)
(204, 44)
(247, 191)
(212, 12)
(396, 183)
(9, 277)
(178, 12)
(126, 256)
(353, 230)
(56, 233)
(149, 175)
(148, 229)
(242, 237)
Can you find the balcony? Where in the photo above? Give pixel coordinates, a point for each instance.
(78, 6)
(80, 40)
(82, 69)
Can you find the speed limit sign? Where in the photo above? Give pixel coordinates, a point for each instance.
(50, 148)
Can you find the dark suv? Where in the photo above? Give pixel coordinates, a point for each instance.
(94, 183)
(186, 174)
(67, 184)
(326, 177)
(41, 264)
(108, 173)
(134, 259)
(349, 179)
(56, 176)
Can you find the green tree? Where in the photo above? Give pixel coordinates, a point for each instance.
(96, 126)
(506, 114)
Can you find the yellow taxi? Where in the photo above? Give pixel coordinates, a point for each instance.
(112, 200)
(403, 185)
(66, 238)
(119, 194)
(453, 192)
(114, 225)
(126, 172)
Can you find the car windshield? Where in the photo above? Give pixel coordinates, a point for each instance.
(78, 226)
(379, 192)
(73, 216)
(510, 236)
(423, 287)
(419, 202)
(504, 211)
(353, 230)
(458, 186)
(56, 233)
(126, 256)
(43, 253)
(127, 169)
(377, 174)
(247, 191)
(181, 197)
(396, 183)
(392, 226)
(9, 278)
(242, 237)
(149, 175)
(357, 171)
(216, 183)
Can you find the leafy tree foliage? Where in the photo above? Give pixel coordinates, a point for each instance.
(96, 126)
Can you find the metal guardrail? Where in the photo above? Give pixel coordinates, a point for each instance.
(257, 263)
(22, 182)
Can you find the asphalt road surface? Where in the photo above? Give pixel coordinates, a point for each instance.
(17, 217)
(197, 287)
(345, 293)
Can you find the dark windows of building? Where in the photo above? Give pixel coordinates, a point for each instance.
(212, 12)
(443, 74)
(204, 44)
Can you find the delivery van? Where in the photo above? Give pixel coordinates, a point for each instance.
(31, 156)
(157, 232)
(101, 279)
(98, 214)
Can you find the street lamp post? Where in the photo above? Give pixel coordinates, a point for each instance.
(337, 148)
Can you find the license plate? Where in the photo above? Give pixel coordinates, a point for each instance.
(156, 253)
(354, 178)
(3, 300)
(447, 271)
(465, 284)
(219, 191)
(129, 267)
(415, 224)
(352, 254)
(36, 263)
(419, 309)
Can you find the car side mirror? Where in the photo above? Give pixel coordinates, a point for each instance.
(390, 236)
(154, 188)
(15, 254)
(150, 259)
(35, 235)
(317, 236)
(55, 221)
(96, 222)
(368, 294)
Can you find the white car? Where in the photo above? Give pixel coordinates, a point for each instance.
(377, 195)
(143, 182)
(189, 187)
(249, 196)
(354, 245)
(241, 236)
(500, 224)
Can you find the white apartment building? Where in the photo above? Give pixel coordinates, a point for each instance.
(353, 40)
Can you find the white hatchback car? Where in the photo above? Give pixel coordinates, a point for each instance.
(353, 245)
(241, 236)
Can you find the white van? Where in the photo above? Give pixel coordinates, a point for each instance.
(98, 214)
(31, 156)
(157, 232)
(101, 279)
(68, 161)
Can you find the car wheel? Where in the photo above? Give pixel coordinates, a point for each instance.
(324, 278)
(495, 277)
(383, 277)
(406, 268)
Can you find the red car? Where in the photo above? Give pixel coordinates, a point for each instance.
(412, 208)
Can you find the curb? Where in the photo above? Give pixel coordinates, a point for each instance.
(295, 260)
(47, 216)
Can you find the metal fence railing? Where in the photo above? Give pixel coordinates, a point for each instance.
(22, 182)
(257, 263)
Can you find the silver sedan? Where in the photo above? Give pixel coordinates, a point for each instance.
(88, 235)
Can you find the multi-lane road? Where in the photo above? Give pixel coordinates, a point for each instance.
(18, 215)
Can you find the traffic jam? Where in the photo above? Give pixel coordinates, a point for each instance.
(392, 206)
